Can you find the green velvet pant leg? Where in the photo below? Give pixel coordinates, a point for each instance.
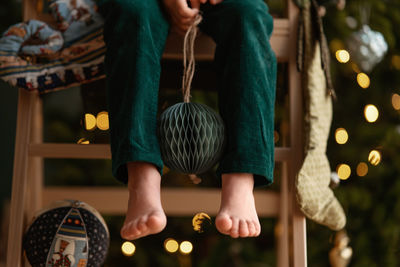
(246, 67)
(135, 32)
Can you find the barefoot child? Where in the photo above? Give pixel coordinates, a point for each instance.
(135, 33)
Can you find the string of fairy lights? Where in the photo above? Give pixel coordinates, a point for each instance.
(371, 115)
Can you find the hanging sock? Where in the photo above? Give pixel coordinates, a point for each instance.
(314, 195)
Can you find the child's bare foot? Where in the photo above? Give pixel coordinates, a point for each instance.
(145, 215)
(237, 216)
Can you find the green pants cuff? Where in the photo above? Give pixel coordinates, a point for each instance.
(120, 170)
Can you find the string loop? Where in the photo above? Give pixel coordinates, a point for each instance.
(188, 58)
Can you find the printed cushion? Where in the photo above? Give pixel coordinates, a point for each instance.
(81, 62)
(35, 57)
(31, 38)
(75, 18)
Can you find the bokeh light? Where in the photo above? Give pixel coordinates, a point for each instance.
(342, 56)
(363, 80)
(186, 247)
(396, 101)
(371, 113)
(362, 169)
(171, 245)
(374, 157)
(128, 248)
(396, 61)
(200, 221)
(102, 121)
(341, 136)
(343, 171)
(83, 141)
(90, 122)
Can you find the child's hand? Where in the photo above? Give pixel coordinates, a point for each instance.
(181, 15)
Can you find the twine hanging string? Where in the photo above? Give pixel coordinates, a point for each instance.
(188, 58)
(365, 12)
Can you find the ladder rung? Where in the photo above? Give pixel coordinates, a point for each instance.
(205, 46)
(176, 202)
(102, 151)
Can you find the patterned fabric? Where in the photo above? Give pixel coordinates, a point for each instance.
(80, 63)
(31, 38)
(39, 65)
(75, 18)
(315, 198)
(46, 243)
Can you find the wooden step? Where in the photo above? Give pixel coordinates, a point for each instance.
(176, 201)
(204, 47)
(102, 151)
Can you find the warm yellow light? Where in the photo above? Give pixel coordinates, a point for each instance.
(342, 56)
(396, 61)
(90, 122)
(102, 121)
(343, 171)
(362, 169)
(200, 220)
(341, 136)
(371, 113)
(186, 247)
(171, 245)
(128, 248)
(396, 101)
(363, 80)
(374, 157)
(83, 141)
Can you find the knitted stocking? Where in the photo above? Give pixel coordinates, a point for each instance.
(315, 198)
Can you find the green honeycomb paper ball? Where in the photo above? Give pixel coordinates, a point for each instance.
(191, 137)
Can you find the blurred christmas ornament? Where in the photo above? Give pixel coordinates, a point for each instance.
(340, 255)
(201, 222)
(191, 135)
(367, 47)
(68, 233)
(335, 180)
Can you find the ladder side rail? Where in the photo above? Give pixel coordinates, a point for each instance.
(298, 222)
(20, 177)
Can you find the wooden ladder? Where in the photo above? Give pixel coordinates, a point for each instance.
(29, 193)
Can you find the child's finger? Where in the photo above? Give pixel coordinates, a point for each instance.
(182, 24)
(185, 11)
(214, 2)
